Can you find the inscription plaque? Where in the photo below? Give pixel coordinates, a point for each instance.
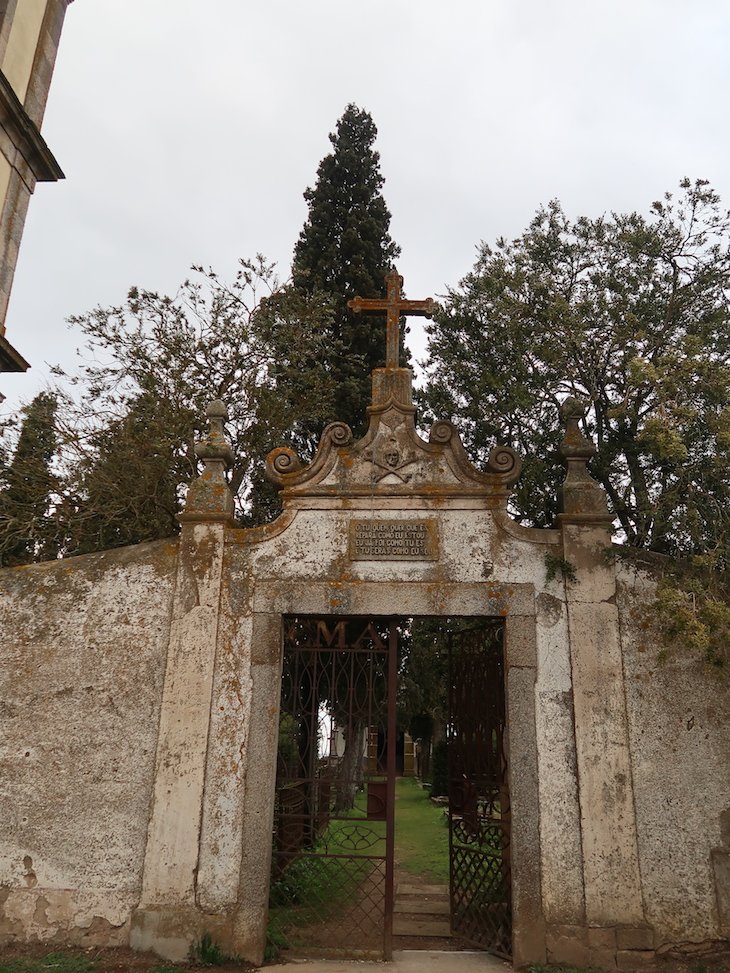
(393, 540)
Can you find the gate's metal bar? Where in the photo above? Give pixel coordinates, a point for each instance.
(390, 793)
(333, 855)
(479, 812)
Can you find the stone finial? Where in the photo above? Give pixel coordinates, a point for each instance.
(209, 497)
(581, 498)
(215, 448)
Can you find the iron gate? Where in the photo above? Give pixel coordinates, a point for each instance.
(332, 862)
(479, 809)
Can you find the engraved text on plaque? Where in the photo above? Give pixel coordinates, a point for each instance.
(393, 540)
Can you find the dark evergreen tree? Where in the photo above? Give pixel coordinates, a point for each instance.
(345, 250)
(129, 484)
(27, 528)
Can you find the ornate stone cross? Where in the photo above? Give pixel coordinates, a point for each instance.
(395, 306)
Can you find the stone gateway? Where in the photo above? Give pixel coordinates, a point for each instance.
(141, 690)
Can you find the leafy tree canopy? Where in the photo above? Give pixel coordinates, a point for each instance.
(123, 433)
(629, 312)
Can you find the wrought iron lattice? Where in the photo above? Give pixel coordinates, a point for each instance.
(479, 809)
(332, 861)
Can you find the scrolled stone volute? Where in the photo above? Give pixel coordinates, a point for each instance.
(504, 461)
(280, 462)
(209, 497)
(581, 498)
(338, 433)
(442, 431)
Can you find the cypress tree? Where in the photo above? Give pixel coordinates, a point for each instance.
(27, 529)
(344, 250)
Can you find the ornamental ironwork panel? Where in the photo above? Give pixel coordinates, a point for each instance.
(479, 809)
(332, 859)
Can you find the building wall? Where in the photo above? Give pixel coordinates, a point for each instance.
(30, 31)
(82, 661)
(22, 43)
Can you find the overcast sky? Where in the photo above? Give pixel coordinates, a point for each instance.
(189, 129)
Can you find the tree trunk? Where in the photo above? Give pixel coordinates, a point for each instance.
(349, 772)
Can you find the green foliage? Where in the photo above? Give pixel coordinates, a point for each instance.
(314, 887)
(208, 952)
(629, 312)
(125, 490)
(28, 485)
(423, 675)
(276, 941)
(556, 565)
(123, 438)
(55, 962)
(692, 612)
(440, 770)
(285, 360)
(421, 833)
(345, 250)
(288, 745)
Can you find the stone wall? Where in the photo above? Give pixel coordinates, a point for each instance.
(82, 661)
(679, 714)
(141, 687)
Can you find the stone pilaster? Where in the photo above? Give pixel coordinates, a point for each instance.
(168, 919)
(612, 881)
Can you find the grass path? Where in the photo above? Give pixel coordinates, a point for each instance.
(421, 833)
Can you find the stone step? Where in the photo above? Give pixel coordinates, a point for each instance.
(405, 888)
(422, 907)
(427, 928)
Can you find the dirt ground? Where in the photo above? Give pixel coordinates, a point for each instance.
(30, 957)
(701, 959)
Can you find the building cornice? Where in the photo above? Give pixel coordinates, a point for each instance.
(25, 136)
(10, 359)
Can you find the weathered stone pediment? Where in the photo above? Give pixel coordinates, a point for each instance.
(392, 460)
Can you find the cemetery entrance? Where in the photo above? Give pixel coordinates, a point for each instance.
(333, 858)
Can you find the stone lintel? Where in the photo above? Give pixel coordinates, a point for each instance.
(402, 599)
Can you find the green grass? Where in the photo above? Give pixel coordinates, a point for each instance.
(421, 833)
(52, 963)
(314, 888)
